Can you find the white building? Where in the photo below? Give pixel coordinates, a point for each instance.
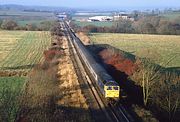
(100, 18)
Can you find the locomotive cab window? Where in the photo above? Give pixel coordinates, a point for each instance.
(115, 88)
(109, 88)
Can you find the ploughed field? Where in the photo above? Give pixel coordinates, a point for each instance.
(162, 49)
(22, 49)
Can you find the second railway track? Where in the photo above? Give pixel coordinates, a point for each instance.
(99, 108)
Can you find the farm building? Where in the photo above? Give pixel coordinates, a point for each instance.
(123, 16)
(100, 18)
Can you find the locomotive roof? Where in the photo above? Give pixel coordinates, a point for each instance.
(111, 83)
(99, 70)
(106, 76)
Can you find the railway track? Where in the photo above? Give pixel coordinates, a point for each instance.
(99, 108)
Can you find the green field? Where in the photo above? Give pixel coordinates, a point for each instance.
(22, 49)
(171, 15)
(24, 18)
(10, 91)
(36, 22)
(160, 48)
(13, 83)
(100, 24)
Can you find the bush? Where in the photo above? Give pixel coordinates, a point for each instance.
(123, 26)
(57, 30)
(146, 115)
(46, 25)
(31, 27)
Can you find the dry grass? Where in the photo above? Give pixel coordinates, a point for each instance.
(74, 102)
(160, 48)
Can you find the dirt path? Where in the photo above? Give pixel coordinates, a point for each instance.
(72, 98)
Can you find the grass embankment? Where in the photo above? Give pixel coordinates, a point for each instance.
(10, 92)
(22, 49)
(163, 49)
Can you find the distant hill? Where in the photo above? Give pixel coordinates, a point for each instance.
(33, 8)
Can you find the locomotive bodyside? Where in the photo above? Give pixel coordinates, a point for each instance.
(108, 87)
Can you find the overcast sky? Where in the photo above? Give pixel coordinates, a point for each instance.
(96, 3)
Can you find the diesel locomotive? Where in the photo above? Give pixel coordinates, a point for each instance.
(108, 87)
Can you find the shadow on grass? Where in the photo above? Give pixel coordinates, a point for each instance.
(58, 114)
(44, 107)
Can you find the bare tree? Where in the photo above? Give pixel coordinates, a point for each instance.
(150, 75)
(172, 98)
(8, 24)
(147, 76)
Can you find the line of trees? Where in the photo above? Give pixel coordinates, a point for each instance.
(13, 25)
(145, 25)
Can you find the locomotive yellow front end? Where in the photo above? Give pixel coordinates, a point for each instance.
(112, 90)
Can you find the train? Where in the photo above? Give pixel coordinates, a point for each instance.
(108, 87)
